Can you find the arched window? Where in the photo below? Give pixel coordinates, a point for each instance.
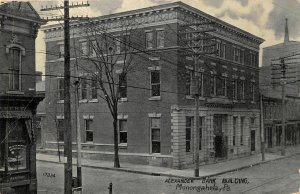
(15, 69)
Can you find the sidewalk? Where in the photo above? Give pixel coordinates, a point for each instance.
(204, 171)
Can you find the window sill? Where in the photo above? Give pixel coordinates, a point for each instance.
(253, 102)
(243, 101)
(83, 101)
(122, 145)
(234, 101)
(60, 102)
(15, 92)
(153, 98)
(189, 97)
(94, 101)
(123, 100)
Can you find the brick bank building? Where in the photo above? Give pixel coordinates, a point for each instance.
(18, 101)
(157, 127)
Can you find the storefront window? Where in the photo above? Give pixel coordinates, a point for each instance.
(17, 146)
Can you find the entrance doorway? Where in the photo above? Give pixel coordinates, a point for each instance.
(220, 140)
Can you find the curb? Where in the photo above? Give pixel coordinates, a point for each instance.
(172, 175)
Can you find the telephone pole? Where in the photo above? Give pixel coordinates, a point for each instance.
(67, 98)
(283, 82)
(198, 44)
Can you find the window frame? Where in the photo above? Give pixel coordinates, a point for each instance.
(61, 90)
(122, 85)
(94, 90)
(83, 90)
(15, 76)
(149, 40)
(234, 129)
(155, 84)
(151, 135)
(119, 131)
(242, 125)
(87, 129)
(160, 41)
(190, 128)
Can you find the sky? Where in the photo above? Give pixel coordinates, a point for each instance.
(263, 18)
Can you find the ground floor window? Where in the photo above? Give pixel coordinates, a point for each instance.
(155, 135)
(188, 131)
(89, 133)
(278, 135)
(122, 131)
(13, 144)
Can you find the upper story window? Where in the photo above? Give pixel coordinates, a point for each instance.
(117, 45)
(61, 50)
(188, 81)
(253, 59)
(242, 90)
(221, 86)
(83, 88)
(188, 133)
(221, 49)
(94, 89)
(84, 48)
(122, 85)
(212, 85)
(160, 35)
(15, 69)
(235, 89)
(93, 46)
(252, 91)
(149, 40)
(155, 125)
(60, 83)
(125, 46)
(155, 82)
(236, 54)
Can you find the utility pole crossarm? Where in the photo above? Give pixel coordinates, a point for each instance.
(77, 5)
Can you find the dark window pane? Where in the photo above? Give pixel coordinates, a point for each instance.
(123, 137)
(156, 134)
(188, 146)
(155, 147)
(89, 136)
(156, 90)
(155, 77)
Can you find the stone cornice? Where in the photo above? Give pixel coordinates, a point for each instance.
(166, 12)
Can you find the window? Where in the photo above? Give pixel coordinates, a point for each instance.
(149, 40)
(84, 49)
(160, 38)
(155, 135)
(155, 83)
(235, 89)
(242, 90)
(122, 131)
(89, 134)
(93, 47)
(122, 85)
(221, 47)
(83, 88)
(188, 81)
(94, 89)
(253, 59)
(60, 129)
(17, 144)
(252, 92)
(125, 46)
(118, 45)
(14, 70)
(236, 55)
(188, 133)
(221, 86)
(212, 85)
(61, 50)
(61, 88)
(234, 127)
(242, 130)
(252, 121)
(242, 57)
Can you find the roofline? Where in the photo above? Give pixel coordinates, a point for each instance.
(177, 4)
(40, 21)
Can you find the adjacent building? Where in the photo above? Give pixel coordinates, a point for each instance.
(156, 111)
(19, 24)
(271, 91)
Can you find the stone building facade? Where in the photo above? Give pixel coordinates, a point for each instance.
(18, 100)
(156, 124)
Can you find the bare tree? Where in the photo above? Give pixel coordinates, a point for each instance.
(108, 58)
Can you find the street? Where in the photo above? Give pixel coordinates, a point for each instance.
(280, 176)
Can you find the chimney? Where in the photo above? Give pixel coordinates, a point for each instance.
(286, 32)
